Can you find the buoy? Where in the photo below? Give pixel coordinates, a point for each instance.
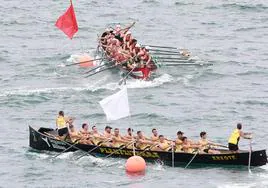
(85, 61)
(135, 164)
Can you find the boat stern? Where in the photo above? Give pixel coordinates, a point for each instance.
(258, 158)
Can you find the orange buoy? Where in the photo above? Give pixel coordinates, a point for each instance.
(135, 164)
(85, 61)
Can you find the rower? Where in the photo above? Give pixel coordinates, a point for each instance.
(76, 137)
(163, 144)
(118, 140)
(178, 141)
(142, 141)
(154, 136)
(205, 145)
(61, 122)
(188, 146)
(132, 45)
(84, 131)
(129, 135)
(107, 132)
(97, 137)
(235, 136)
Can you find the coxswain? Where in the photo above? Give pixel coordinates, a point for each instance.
(126, 40)
(61, 123)
(76, 137)
(118, 140)
(235, 136)
(178, 141)
(154, 136)
(205, 145)
(142, 141)
(118, 34)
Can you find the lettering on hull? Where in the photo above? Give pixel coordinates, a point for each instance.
(224, 158)
(129, 153)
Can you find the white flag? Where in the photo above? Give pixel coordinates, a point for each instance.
(116, 106)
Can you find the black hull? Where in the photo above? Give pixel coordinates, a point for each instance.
(41, 141)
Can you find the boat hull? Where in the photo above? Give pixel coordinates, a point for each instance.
(40, 141)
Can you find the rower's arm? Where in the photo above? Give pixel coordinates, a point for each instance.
(246, 135)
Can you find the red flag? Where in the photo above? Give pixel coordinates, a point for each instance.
(67, 22)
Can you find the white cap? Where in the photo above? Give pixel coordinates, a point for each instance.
(128, 33)
(118, 26)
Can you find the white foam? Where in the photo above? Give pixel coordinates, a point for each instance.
(165, 78)
(97, 85)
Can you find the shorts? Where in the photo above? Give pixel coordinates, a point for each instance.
(62, 131)
(232, 147)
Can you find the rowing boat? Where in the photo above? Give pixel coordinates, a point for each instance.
(137, 72)
(43, 139)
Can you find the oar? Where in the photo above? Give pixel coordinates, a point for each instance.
(192, 159)
(172, 155)
(97, 67)
(172, 58)
(73, 145)
(185, 64)
(122, 147)
(88, 152)
(167, 54)
(121, 81)
(147, 149)
(249, 156)
(82, 62)
(166, 47)
(167, 51)
(76, 142)
(111, 67)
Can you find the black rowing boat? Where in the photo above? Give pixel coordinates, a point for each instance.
(43, 139)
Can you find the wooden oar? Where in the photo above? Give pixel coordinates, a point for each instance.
(72, 146)
(122, 147)
(167, 54)
(111, 67)
(157, 50)
(172, 154)
(124, 78)
(185, 64)
(97, 67)
(249, 156)
(192, 159)
(172, 58)
(165, 47)
(147, 149)
(82, 62)
(89, 152)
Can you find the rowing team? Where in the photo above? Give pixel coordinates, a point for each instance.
(122, 47)
(155, 142)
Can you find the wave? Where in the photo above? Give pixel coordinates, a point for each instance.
(91, 87)
(256, 7)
